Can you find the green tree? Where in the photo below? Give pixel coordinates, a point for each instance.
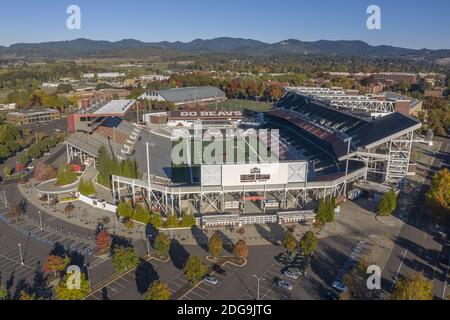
(3, 293)
(156, 220)
(309, 243)
(86, 187)
(172, 221)
(388, 203)
(6, 171)
(195, 269)
(289, 242)
(62, 292)
(124, 259)
(65, 175)
(162, 244)
(158, 290)
(187, 220)
(215, 245)
(413, 287)
(141, 214)
(125, 209)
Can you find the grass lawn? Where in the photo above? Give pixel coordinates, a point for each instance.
(234, 104)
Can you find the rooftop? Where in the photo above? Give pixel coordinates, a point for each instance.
(112, 108)
(191, 93)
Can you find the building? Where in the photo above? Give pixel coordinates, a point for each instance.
(32, 116)
(88, 119)
(434, 93)
(392, 78)
(187, 96)
(9, 106)
(88, 97)
(104, 75)
(404, 104)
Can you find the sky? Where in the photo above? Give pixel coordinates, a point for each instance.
(404, 23)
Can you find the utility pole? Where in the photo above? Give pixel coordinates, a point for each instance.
(349, 140)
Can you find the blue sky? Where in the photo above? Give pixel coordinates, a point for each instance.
(405, 23)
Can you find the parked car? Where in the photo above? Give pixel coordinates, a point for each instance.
(47, 154)
(219, 269)
(339, 286)
(284, 285)
(331, 295)
(290, 274)
(445, 260)
(211, 280)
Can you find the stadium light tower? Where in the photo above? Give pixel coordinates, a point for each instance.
(349, 142)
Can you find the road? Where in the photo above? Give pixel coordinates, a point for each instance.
(416, 248)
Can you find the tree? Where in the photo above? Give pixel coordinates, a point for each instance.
(162, 244)
(187, 220)
(241, 249)
(3, 293)
(55, 264)
(413, 287)
(438, 197)
(65, 175)
(6, 171)
(309, 243)
(158, 290)
(86, 187)
(124, 259)
(215, 245)
(43, 172)
(172, 221)
(20, 167)
(388, 203)
(125, 209)
(156, 220)
(289, 242)
(141, 214)
(103, 241)
(195, 269)
(63, 292)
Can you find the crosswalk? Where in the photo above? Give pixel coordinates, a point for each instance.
(53, 235)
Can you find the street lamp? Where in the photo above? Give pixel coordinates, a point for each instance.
(40, 220)
(20, 252)
(258, 279)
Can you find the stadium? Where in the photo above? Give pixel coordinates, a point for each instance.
(315, 150)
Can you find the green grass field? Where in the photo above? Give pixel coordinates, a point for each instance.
(241, 104)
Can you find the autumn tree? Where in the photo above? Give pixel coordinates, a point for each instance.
(158, 290)
(215, 245)
(438, 196)
(309, 243)
(43, 172)
(162, 244)
(289, 242)
(124, 258)
(195, 269)
(413, 287)
(241, 249)
(55, 264)
(103, 241)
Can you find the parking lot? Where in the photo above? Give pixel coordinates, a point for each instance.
(129, 286)
(11, 270)
(268, 288)
(204, 289)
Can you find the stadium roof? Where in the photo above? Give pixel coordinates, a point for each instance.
(111, 108)
(191, 94)
(333, 126)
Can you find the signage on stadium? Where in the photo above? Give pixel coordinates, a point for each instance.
(206, 114)
(270, 173)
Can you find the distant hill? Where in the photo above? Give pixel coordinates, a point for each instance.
(88, 48)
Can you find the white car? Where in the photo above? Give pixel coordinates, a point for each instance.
(339, 286)
(211, 280)
(47, 154)
(290, 274)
